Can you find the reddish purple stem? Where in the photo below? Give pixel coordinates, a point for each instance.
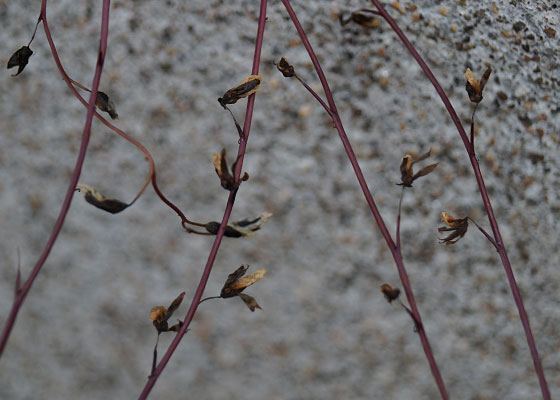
(231, 200)
(498, 242)
(22, 294)
(395, 250)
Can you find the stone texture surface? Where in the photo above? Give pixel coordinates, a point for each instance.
(325, 331)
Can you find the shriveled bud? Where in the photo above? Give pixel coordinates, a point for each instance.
(457, 226)
(104, 103)
(20, 59)
(474, 86)
(407, 174)
(95, 198)
(390, 292)
(285, 67)
(250, 85)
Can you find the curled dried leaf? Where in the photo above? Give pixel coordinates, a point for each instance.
(390, 292)
(474, 86)
(20, 59)
(250, 302)
(250, 85)
(244, 228)
(407, 174)
(457, 226)
(104, 103)
(227, 178)
(285, 67)
(236, 282)
(95, 198)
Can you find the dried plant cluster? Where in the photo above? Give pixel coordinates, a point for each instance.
(231, 178)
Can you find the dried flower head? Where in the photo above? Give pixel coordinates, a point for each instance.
(227, 179)
(250, 85)
(20, 59)
(236, 282)
(104, 103)
(285, 67)
(407, 174)
(244, 228)
(475, 86)
(390, 292)
(458, 227)
(95, 198)
(160, 315)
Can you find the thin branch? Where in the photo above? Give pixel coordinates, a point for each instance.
(229, 207)
(395, 250)
(21, 295)
(398, 233)
(485, 198)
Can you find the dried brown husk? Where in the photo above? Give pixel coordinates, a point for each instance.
(104, 103)
(95, 198)
(160, 315)
(20, 59)
(250, 302)
(407, 174)
(227, 178)
(474, 86)
(390, 292)
(457, 226)
(236, 282)
(285, 67)
(250, 85)
(244, 228)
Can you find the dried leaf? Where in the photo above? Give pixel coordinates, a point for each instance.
(175, 305)
(236, 283)
(104, 103)
(474, 86)
(243, 228)
(160, 315)
(250, 85)
(285, 67)
(20, 59)
(95, 198)
(458, 227)
(407, 173)
(250, 302)
(390, 292)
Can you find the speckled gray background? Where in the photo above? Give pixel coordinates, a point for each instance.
(325, 332)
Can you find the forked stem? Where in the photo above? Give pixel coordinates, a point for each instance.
(498, 242)
(395, 250)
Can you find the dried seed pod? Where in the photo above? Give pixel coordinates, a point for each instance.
(457, 226)
(285, 67)
(474, 86)
(390, 292)
(236, 282)
(244, 228)
(160, 315)
(407, 174)
(250, 85)
(104, 103)
(95, 198)
(227, 179)
(20, 59)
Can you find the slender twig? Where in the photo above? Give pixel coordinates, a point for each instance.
(398, 233)
(21, 294)
(498, 242)
(229, 207)
(395, 250)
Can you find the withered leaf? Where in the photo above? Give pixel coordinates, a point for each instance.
(236, 282)
(457, 226)
(285, 67)
(250, 85)
(227, 179)
(20, 59)
(407, 174)
(474, 86)
(104, 103)
(390, 292)
(243, 228)
(95, 198)
(250, 302)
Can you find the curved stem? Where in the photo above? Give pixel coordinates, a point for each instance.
(22, 294)
(395, 250)
(498, 242)
(229, 207)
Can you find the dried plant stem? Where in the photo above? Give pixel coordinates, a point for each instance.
(498, 242)
(395, 249)
(229, 207)
(22, 293)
